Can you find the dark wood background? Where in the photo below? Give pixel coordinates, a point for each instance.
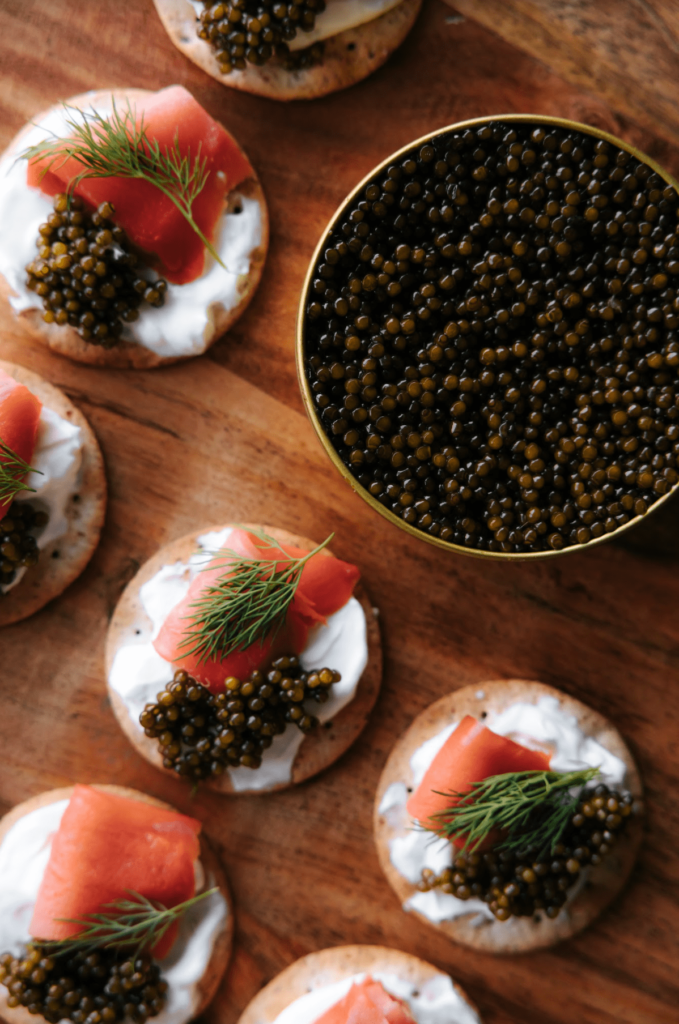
(225, 437)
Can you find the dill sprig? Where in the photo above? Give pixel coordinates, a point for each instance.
(249, 602)
(136, 924)
(118, 147)
(530, 809)
(13, 470)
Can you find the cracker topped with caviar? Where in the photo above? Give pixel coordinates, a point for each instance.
(243, 657)
(115, 909)
(52, 492)
(490, 336)
(133, 227)
(509, 815)
(302, 49)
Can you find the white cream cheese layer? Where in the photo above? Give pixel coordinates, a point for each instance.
(338, 16)
(24, 854)
(57, 460)
(542, 725)
(435, 1002)
(138, 672)
(183, 325)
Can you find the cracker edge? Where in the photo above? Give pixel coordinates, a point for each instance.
(51, 576)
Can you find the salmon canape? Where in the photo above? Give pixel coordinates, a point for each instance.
(133, 229)
(244, 657)
(112, 908)
(52, 492)
(293, 50)
(508, 816)
(361, 985)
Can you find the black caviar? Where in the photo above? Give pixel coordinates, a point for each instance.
(244, 32)
(99, 987)
(518, 884)
(86, 275)
(492, 341)
(201, 734)
(18, 544)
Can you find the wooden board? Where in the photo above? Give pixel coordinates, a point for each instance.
(224, 437)
(625, 51)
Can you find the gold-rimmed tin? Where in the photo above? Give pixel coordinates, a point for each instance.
(558, 122)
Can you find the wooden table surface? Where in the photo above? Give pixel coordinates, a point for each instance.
(225, 437)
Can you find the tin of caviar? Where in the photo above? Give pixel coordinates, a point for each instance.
(549, 231)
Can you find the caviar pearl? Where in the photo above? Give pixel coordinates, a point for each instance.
(86, 275)
(95, 987)
(492, 337)
(201, 734)
(242, 32)
(519, 883)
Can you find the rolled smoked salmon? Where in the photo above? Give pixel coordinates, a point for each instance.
(106, 846)
(325, 586)
(367, 1002)
(19, 420)
(470, 754)
(150, 219)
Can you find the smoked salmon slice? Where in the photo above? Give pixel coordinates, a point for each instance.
(470, 754)
(150, 219)
(325, 586)
(106, 846)
(367, 1002)
(19, 420)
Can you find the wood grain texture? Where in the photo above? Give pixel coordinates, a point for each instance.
(625, 51)
(224, 437)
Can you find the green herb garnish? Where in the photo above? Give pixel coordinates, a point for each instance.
(249, 602)
(13, 469)
(118, 147)
(531, 809)
(136, 923)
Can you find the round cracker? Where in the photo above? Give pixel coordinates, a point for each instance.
(221, 950)
(604, 882)
(320, 748)
(349, 56)
(62, 561)
(332, 965)
(65, 340)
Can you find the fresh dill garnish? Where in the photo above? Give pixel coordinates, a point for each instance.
(13, 469)
(117, 147)
(249, 602)
(529, 809)
(136, 924)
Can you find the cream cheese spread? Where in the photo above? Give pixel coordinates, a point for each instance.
(57, 459)
(24, 854)
(541, 725)
(183, 326)
(338, 16)
(435, 1002)
(138, 672)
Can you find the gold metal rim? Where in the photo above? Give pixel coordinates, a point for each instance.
(300, 339)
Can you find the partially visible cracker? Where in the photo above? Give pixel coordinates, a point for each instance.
(332, 965)
(321, 747)
(605, 881)
(221, 949)
(62, 561)
(349, 56)
(65, 340)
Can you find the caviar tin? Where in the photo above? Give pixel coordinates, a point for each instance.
(301, 350)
